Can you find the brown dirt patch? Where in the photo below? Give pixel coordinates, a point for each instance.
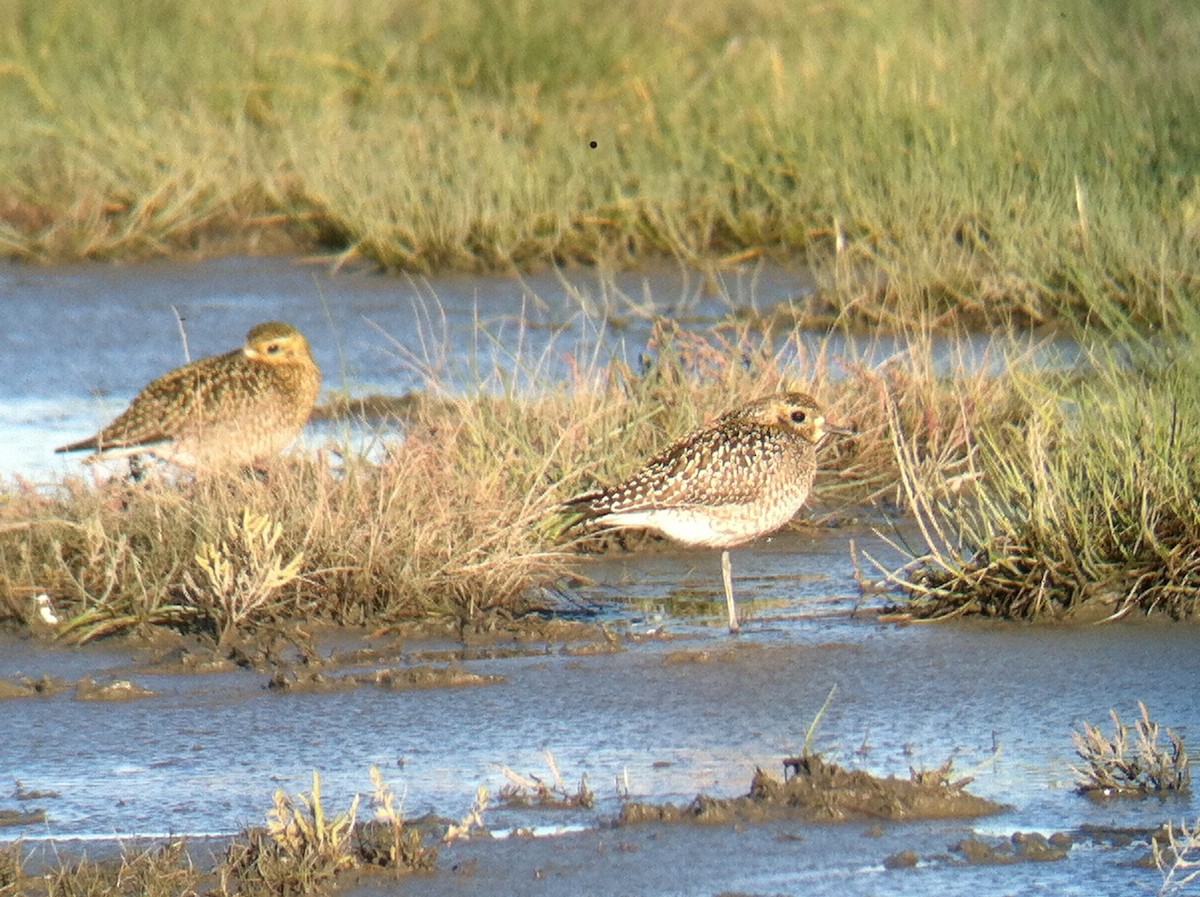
(822, 792)
(395, 679)
(88, 689)
(25, 687)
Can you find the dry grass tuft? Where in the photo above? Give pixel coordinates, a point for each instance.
(1179, 860)
(387, 841)
(426, 532)
(472, 820)
(1082, 503)
(1118, 766)
(12, 868)
(303, 849)
(532, 790)
(160, 872)
(300, 850)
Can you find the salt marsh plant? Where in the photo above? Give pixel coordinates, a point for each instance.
(301, 828)
(1131, 761)
(533, 790)
(301, 849)
(241, 574)
(983, 161)
(472, 820)
(1082, 507)
(387, 840)
(1179, 859)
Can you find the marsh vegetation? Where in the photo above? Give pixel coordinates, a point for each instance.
(966, 160)
(1131, 761)
(1081, 507)
(1037, 494)
(941, 166)
(937, 164)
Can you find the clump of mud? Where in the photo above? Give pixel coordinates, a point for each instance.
(36, 816)
(421, 676)
(88, 689)
(1021, 847)
(820, 791)
(26, 687)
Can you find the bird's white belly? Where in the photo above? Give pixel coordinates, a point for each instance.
(713, 527)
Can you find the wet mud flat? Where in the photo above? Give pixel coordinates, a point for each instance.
(666, 714)
(646, 695)
(771, 858)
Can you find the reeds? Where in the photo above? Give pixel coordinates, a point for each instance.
(961, 160)
(452, 516)
(1131, 761)
(1082, 507)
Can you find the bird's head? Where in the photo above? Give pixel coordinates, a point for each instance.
(796, 412)
(277, 343)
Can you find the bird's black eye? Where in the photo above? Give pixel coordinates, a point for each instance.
(799, 417)
(274, 349)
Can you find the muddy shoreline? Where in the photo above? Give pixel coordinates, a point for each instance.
(665, 717)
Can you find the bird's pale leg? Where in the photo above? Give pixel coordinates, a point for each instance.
(727, 575)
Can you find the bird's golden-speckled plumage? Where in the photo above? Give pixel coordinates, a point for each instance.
(235, 409)
(744, 476)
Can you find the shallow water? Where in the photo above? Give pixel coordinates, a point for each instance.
(666, 718)
(79, 342)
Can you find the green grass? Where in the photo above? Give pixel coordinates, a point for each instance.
(1000, 161)
(1084, 507)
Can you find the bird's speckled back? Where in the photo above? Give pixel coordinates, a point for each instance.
(233, 409)
(745, 475)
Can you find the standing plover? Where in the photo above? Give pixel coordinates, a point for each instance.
(744, 476)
